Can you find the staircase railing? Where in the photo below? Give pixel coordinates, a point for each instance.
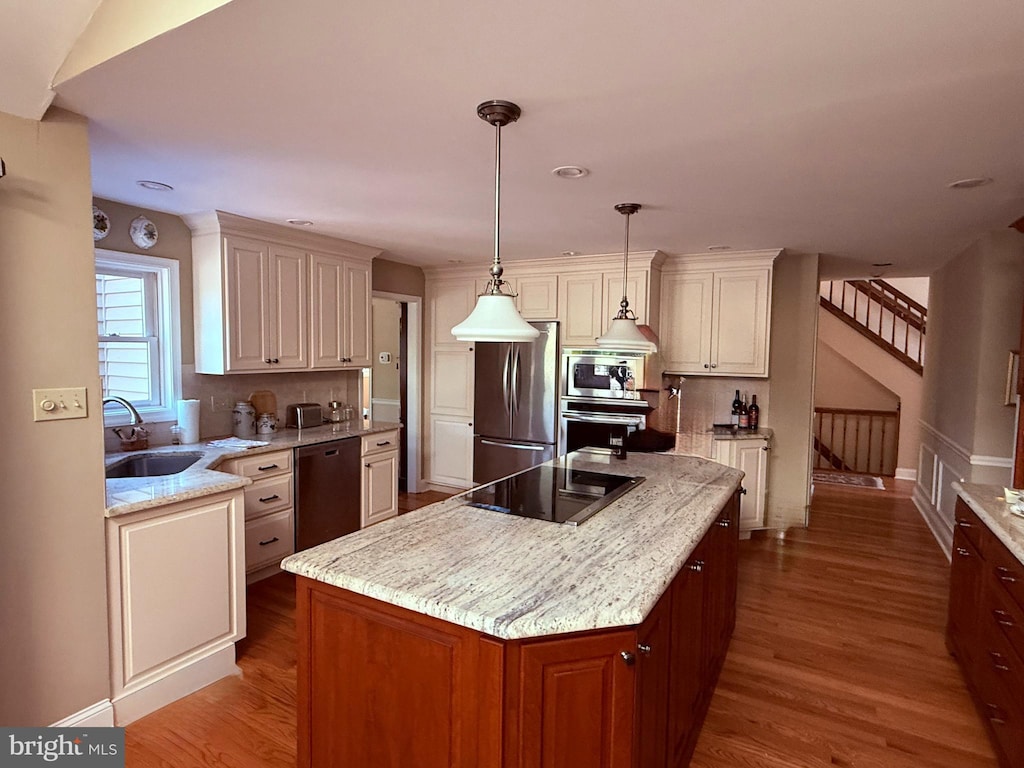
(856, 440)
(881, 313)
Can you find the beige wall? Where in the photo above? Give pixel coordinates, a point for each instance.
(838, 383)
(386, 317)
(53, 613)
(791, 387)
(393, 277)
(974, 314)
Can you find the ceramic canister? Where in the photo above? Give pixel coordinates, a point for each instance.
(244, 419)
(266, 424)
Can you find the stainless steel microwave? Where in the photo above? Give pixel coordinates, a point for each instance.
(600, 375)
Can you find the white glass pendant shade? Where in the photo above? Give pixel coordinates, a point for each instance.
(624, 334)
(495, 318)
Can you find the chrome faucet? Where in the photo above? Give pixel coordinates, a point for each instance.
(136, 419)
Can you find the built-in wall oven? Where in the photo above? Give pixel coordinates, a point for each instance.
(601, 402)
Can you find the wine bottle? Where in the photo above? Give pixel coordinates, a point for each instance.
(735, 415)
(753, 413)
(744, 414)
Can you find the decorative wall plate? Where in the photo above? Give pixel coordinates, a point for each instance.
(100, 224)
(143, 232)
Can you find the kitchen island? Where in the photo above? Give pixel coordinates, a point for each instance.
(459, 636)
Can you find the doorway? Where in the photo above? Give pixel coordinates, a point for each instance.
(395, 375)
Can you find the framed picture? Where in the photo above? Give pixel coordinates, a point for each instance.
(1012, 374)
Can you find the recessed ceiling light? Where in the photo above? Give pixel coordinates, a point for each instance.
(979, 181)
(570, 253)
(882, 264)
(719, 247)
(300, 222)
(570, 172)
(156, 186)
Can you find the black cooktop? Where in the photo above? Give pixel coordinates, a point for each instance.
(557, 493)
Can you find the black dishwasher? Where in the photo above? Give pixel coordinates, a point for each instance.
(327, 491)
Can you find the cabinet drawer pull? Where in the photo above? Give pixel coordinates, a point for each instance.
(1005, 575)
(268, 499)
(696, 566)
(269, 541)
(962, 552)
(383, 442)
(726, 523)
(268, 468)
(964, 524)
(998, 661)
(996, 714)
(1002, 618)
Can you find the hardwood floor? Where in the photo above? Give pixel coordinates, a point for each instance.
(838, 659)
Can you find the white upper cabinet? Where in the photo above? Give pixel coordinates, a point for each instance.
(538, 296)
(269, 299)
(716, 315)
(340, 310)
(581, 297)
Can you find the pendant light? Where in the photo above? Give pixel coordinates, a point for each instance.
(495, 317)
(623, 333)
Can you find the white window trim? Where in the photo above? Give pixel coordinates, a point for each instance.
(168, 318)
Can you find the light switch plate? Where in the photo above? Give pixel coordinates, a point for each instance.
(221, 403)
(57, 404)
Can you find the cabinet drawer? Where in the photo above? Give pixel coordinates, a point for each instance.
(380, 442)
(968, 523)
(268, 539)
(1006, 571)
(261, 465)
(268, 495)
(1005, 618)
(1000, 706)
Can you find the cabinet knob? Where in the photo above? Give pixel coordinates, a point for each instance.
(275, 360)
(764, 448)
(714, 365)
(743, 491)
(628, 658)
(267, 360)
(366, 465)
(706, 365)
(696, 566)
(644, 648)
(726, 523)
(962, 552)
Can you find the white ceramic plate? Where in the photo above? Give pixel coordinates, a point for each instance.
(100, 224)
(143, 232)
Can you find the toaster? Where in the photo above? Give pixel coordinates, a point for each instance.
(301, 415)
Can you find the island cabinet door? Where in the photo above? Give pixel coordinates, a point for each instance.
(382, 686)
(576, 700)
(653, 662)
(687, 662)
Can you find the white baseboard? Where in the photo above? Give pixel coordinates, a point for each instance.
(139, 702)
(942, 533)
(906, 473)
(99, 715)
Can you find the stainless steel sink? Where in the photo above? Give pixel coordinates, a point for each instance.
(153, 464)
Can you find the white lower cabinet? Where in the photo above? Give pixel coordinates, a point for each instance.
(176, 597)
(750, 455)
(380, 477)
(451, 451)
(269, 510)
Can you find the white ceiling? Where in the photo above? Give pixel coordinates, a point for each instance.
(830, 127)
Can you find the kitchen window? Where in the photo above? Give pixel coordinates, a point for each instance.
(137, 316)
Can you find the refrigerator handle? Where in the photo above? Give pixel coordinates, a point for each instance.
(515, 380)
(505, 379)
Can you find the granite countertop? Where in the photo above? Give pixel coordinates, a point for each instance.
(726, 433)
(513, 577)
(131, 494)
(987, 502)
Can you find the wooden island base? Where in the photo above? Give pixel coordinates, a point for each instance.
(384, 686)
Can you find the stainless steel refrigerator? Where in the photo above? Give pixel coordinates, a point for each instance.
(515, 422)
